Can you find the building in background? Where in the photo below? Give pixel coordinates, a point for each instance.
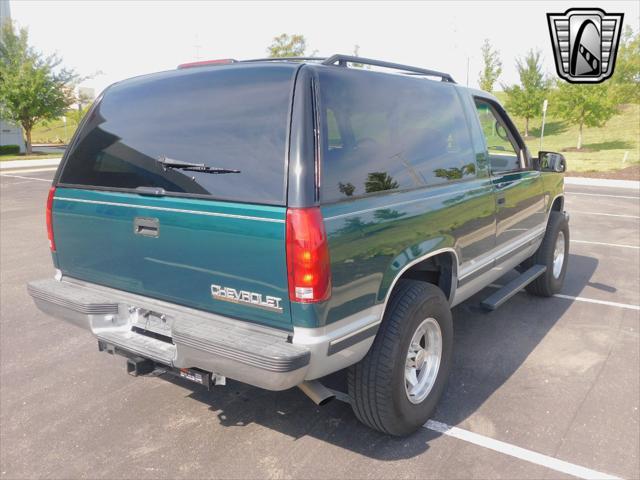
(10, 133)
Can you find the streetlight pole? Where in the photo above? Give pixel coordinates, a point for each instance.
(545, 104)
(467, 70)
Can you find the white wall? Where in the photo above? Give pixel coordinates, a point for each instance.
(11, 134)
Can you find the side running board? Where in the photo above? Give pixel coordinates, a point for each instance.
(513, 287)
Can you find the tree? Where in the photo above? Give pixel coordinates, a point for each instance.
(77, 114)
(525, 100)
(379, 181)
(346, 188)
(32, 86)
(84, 104)
(626, 76)
(456, 173)
(584, 104)
(387, 214)
(354, 224)
(492, 66)
(287, 46)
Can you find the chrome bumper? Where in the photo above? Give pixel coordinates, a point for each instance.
(176, 336)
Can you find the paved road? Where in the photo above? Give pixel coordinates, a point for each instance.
(554, 376)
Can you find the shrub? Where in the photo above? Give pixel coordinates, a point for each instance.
(9, 149)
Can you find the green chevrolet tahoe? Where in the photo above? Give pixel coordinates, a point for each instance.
(274, 221)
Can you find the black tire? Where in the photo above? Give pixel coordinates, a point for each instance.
(548, 284)
(377, 383)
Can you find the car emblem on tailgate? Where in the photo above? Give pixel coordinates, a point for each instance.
(232, 295)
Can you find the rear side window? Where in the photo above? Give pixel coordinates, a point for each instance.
(223, 117)
(386, 132)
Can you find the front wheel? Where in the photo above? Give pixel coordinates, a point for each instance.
(396, 387)
(554, 254)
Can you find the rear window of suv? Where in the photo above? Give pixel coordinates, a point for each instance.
(222, 117)
(387, 132)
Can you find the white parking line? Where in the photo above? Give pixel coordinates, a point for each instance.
(31, 170)
(27, 178)
(606, 244)
(603, 195)
(627, 306)
(604, 214)
(505, 448)
(601, 302)
(20, 183)
(517, 452)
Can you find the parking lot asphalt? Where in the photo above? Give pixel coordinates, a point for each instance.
(541, 388)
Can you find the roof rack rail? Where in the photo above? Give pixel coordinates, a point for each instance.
(207, 63)
(281, 59)
(342, 61)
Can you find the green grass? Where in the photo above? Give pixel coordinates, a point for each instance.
(604, 147)
(53, 131)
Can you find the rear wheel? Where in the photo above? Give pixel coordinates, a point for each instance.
(396, 387)
(554, 254)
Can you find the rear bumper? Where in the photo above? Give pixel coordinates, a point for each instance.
(176, 336)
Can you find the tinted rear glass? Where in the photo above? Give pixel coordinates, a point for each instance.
(386, 132)
(225, 117)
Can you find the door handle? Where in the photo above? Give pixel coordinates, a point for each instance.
(501, 200)
(148, 227)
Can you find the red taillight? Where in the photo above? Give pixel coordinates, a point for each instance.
(203, 63)
(307, 256)
(52, 243)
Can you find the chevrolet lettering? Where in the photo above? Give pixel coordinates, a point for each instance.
(354, 207)
(242, 296)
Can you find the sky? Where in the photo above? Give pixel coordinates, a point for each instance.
(115, 40)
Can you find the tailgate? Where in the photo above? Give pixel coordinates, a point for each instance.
(174, 187)
(222, 257)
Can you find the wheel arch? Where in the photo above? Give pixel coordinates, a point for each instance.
(439, 267)
(360, 341)
(557, 205)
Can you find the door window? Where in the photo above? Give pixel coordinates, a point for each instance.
(502, 149)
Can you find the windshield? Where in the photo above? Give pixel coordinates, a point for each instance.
(230, 118)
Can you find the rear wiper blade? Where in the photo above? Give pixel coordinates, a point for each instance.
(192, 167)
(171, 163)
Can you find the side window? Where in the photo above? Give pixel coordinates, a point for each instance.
(370, 127)
(502, 150)
(398, 133)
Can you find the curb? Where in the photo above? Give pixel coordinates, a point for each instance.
(602, 182)
(13, 164)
